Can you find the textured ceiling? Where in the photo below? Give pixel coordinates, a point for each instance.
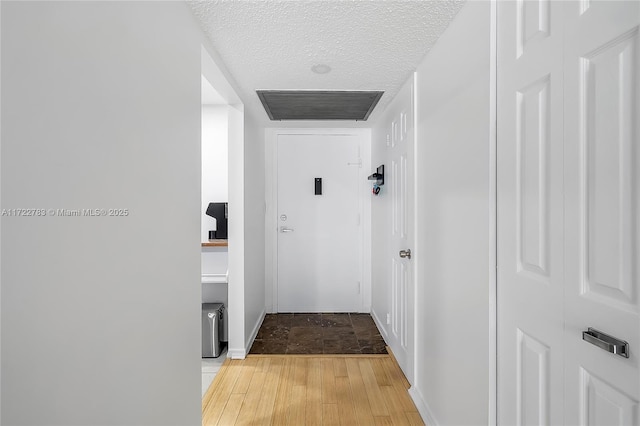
(369, 45)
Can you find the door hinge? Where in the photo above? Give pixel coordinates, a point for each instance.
(359, 287)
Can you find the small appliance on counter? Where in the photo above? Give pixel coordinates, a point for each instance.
(218, 211)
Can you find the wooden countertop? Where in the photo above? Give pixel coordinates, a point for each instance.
(216, 243)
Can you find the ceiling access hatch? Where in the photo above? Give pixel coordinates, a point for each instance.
(319, 104)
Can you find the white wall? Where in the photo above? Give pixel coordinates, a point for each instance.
(254, 198)
(236, 289)
(215, 162)
(454, 213)
(100, 316)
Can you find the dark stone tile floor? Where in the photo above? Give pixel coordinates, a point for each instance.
(318, 334)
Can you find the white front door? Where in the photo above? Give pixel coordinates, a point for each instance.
(568, 208)
(399, 181)
(319, 234)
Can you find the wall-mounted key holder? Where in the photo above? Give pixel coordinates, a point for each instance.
(378, 176)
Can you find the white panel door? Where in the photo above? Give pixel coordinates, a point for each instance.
(399, 179)
(602, 209)
(568, 211)
(319, 236)
(530, 220)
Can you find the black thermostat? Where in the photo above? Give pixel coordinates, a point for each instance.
(318, 182)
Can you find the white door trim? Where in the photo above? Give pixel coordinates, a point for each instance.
(493, 217)
(271, 216)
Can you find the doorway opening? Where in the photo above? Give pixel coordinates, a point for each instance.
(222, 134)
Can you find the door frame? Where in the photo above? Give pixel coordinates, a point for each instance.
(493, 214)
(271, 214)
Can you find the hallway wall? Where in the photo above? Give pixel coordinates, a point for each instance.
(254, 232)
(451, 383)
(453, 242)
(100, 315)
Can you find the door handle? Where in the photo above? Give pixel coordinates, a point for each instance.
(405, 253)
(606, 342)
(285, 229)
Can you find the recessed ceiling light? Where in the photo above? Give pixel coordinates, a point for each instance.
(321, 68)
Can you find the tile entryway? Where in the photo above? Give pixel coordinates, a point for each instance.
(210, 368)
(313, 333)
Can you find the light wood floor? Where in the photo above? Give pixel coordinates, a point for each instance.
(310, 390)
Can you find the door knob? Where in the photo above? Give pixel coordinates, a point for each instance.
(405, 253)
(285, 229)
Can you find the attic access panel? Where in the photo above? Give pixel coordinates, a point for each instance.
(318, 104)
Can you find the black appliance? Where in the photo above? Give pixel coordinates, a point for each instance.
(218, 211)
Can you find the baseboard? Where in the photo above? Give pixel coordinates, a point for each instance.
(422, 407)
(236, 353)
(254, 332)
(241, 353)
(379, 324)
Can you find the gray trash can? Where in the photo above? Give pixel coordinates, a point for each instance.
(212, 317)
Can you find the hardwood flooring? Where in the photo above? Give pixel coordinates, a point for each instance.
(310, 390)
